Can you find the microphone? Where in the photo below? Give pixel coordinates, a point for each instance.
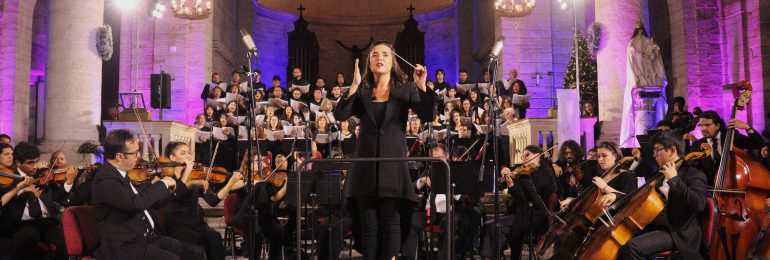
(497, 48)
(248, 41)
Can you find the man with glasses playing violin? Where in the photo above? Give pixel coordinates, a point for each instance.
(124, 224)
(677, 227)
(32, 209)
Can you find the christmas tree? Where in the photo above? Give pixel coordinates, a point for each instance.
(588, 78)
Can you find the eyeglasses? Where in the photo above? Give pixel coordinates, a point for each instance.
(657, 149)
(135, 154)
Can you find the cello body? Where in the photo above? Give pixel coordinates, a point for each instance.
(645, 205)
(564, 239)
(740, 202)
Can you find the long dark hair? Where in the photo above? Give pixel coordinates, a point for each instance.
(397, 75)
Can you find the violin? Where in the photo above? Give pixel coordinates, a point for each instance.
(144, 171)
(8, 177)
(276, 177)
(213, 174)
(639, 209)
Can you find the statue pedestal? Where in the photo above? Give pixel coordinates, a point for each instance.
(645, 108)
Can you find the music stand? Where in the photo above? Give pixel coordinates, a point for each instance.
(465, 180)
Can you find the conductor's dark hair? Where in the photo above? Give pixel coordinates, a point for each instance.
(670, 139)
(116, 143)
(26, 151)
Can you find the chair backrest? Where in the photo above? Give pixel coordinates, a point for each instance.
(229, 208)
(79, 226)
(708, 220)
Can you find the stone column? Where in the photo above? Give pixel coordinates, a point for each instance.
(74, 75)
(618, 19)
(15, 49)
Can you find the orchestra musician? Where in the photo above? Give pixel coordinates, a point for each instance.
(265, 195)
(526, 211)
(124, 224)
(614, 182)
(714, 129)
(572, 179)
(189, 224)
(678, 226)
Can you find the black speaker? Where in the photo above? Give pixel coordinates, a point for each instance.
(160, 88)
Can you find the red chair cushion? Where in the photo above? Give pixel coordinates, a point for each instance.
(229, 208)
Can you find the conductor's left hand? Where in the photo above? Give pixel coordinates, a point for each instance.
(420, 75)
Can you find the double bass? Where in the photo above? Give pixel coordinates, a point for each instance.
(741, 188)
(565, 237)
(639, 209)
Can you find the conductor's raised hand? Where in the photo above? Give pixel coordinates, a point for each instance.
(356, 80)
(420, 75)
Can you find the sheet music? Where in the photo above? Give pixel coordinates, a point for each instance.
(273, 135)
(218, 133)
(520, 99)
(314, 107)
(329, 115)
(438, 134)
(323, 138)
(464, 88)
(232, 96)
(483, 88)
(297, 105)
(482, 128)
(504, 128)
(285, 123)
(277, 102)
(244, 86)
(288, 130)
(205, 135)
(303, 88)
(260, 118)
(214, 103)
(235, 120)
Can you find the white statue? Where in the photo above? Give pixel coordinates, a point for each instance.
(644, 69)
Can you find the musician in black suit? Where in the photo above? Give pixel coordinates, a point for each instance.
(714, 131)
(124, 224)
(678, 226)
(527, 211)
(31, 216)
(381, 195)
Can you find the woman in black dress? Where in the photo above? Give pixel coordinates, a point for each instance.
(381, 194)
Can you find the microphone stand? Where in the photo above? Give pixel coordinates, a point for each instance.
(493, 137)
(251, 125)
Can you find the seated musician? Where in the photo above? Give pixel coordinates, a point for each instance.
(189, 223)
(714, 131)
(684, 189)
(571, 179)
(617, 181)
(264, 195)
(124, 224)
(527, 210)
(32, 207)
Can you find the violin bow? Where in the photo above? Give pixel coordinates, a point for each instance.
(49, 174)
(153, 156)
(211, 162)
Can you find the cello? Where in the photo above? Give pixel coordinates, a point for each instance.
(640, 208)
(741, 187)
(565, 237)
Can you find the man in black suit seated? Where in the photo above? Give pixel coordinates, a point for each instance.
(31, 214)
(124, 224)
(678, 226)
(714, 131)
